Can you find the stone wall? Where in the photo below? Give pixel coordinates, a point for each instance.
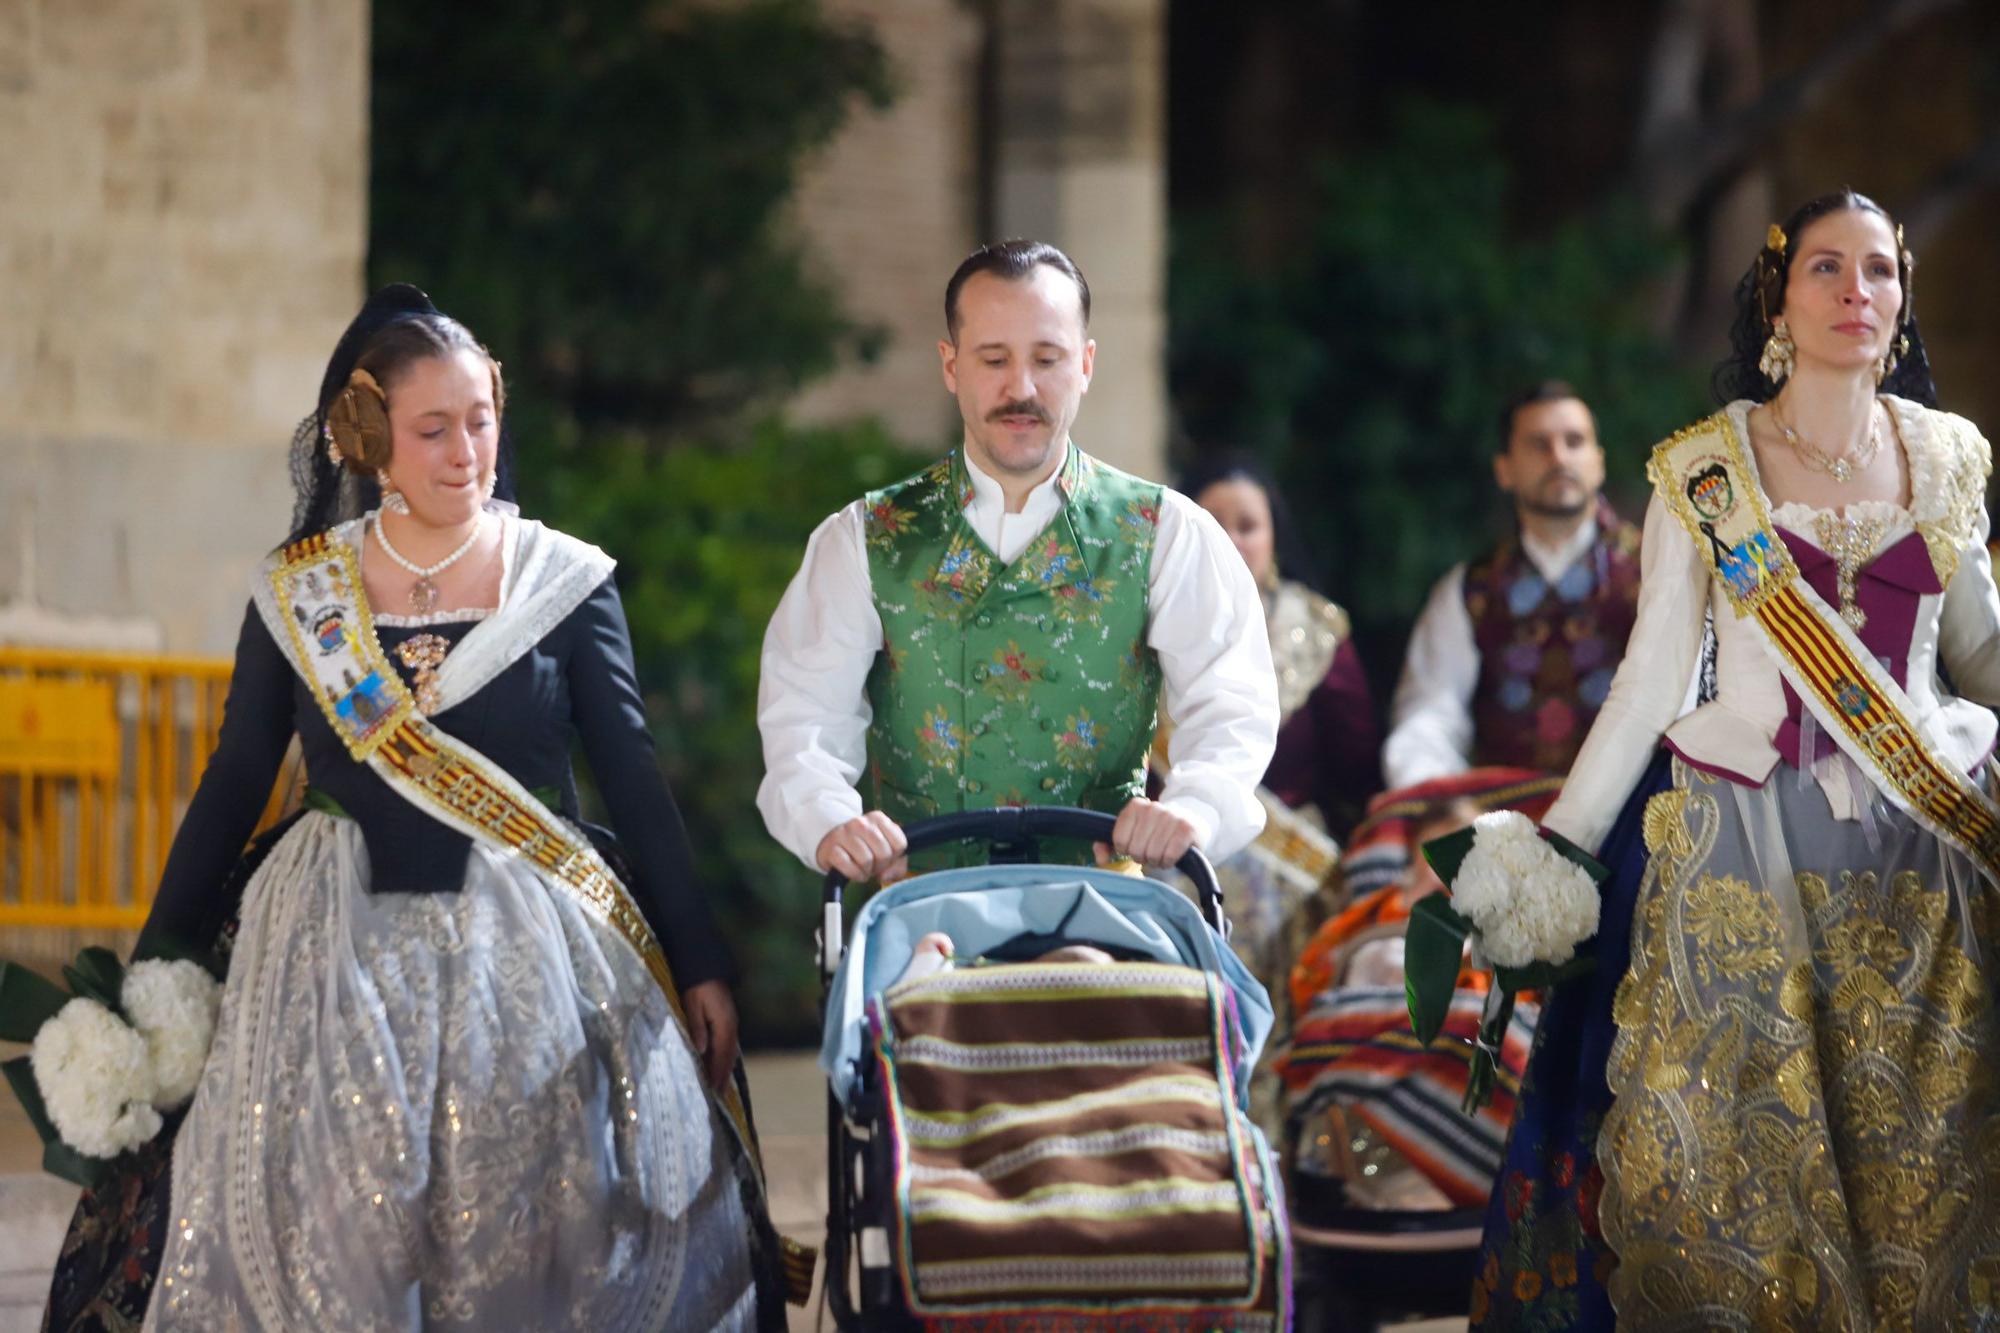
(1066, 98)
(892, 207)
(1080, 160)
(181, 241)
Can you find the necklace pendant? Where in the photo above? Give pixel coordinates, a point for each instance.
(1840, 470)
(423, 596)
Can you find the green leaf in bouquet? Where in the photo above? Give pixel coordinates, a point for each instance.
(27, 1000)
(20, 1074)
(98, 974)
(1485, 1065)
(1448, 853)
(1433, 945)
(58, 1158)
(1596, 869)
(66, 1163)
(167, 949)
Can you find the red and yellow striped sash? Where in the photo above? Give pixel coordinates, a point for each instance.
(1705, 480)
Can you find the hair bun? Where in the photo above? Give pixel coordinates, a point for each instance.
(358, 421)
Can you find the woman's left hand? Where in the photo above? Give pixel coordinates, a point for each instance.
(711, 1018)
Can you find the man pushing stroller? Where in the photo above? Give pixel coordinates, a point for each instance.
(997, 629)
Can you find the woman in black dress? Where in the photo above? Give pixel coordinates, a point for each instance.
(465, 1072)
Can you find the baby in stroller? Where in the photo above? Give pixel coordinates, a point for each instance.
(1387, 1177)
(1048, 1133)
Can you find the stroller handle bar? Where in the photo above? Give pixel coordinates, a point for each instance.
(1013, 831)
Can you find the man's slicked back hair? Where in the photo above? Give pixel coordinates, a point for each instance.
(1014, 261)
(1541, 391)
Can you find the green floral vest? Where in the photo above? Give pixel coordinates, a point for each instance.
(1020, 684)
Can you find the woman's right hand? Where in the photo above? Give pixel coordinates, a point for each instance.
(866, 847)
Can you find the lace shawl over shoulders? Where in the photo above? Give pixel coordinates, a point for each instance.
(1949, 464)
(549, 576)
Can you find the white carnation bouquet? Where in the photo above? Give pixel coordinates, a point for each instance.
(108, 1056)
(1525, 898)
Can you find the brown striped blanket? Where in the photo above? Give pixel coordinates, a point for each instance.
(1067, 1140)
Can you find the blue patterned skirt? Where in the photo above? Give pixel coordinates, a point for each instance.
(1543, 1262)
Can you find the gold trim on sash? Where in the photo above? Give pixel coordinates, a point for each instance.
(1705, 480)
(318, 587)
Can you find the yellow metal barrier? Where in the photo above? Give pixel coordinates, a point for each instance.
(99, 755)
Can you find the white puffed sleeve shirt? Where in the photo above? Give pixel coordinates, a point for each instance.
(1205, 620)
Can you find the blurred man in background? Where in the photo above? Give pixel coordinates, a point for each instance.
(1514, 652)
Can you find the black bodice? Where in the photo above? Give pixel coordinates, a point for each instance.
(577, 681)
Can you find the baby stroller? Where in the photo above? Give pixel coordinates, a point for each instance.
(1029, 1144)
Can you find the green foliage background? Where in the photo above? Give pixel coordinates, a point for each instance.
(1368, 368)
(598, 188)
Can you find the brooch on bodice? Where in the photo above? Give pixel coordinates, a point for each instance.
(424, 654)
(1850, 541)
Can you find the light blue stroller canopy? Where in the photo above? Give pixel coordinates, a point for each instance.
(983, 907)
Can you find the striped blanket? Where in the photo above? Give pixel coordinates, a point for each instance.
(1069, 1152)
(1354, 1046)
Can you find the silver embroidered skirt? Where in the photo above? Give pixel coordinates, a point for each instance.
(1806, 1131)
(459, 1110)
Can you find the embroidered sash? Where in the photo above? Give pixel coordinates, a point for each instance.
(1705, 480)
(331, 642)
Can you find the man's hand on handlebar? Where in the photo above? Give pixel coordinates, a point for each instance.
(870, 846)
(1149, 833)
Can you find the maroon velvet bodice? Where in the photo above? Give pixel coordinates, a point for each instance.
(1886, 589)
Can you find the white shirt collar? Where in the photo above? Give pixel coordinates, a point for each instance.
(986, 490)
(1007, 535)
(1553, 561)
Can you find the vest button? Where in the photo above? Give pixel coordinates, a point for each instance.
(1047, 725)
(979, 728)
(1050, 673)
(975, 786)
(1048, 784)
(984, 621)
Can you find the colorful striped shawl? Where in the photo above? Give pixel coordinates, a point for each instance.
(1354, 1046)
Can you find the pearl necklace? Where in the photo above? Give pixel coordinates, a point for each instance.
(424, 593)
(1842, 470)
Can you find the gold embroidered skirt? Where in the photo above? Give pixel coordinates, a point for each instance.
(1804, 1131)
(464, 1110)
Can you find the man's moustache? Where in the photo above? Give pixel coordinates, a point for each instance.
(1019, 410)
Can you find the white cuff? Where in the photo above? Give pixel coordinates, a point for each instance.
(827, 812)
(1200, 814)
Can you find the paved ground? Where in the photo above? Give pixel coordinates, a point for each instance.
(34, 1208)
(790, 1102)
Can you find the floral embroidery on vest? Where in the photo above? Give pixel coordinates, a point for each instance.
(1011, 674)
(940, 739)
(1083, 601)
(886, 522)
(1077, 746)
(1005, 683)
